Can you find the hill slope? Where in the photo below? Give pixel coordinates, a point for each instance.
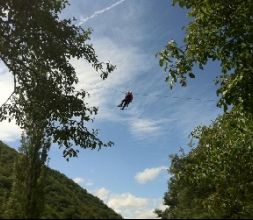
(64, 198)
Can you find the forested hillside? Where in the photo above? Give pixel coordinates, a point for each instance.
(63, 197)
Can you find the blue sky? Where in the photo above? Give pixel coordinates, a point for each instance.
(131, 176)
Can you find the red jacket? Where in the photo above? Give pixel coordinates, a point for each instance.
(129, 97)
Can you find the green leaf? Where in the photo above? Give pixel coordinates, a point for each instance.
(191, 75)
(161, 62)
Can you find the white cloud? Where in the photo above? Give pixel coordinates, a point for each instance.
(149, 213)
(149, 174)
(96, 13)
(145, 126)
(6, 84)
(146, 214)
(128, 205)
(9, 131)
(103, 194)
(83, 182)
(126, 200)
(148, 127)
(161, 205)
(78, 180)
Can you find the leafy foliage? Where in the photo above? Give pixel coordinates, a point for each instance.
(28, 191)
(37, 47)
(220, 30)
(215, 180)
(7, 157)
(63, 198)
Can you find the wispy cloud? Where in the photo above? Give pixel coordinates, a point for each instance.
(96, 13)
(145, 126)
(191, 114)
(128, 205)
(149, 174)
(108, 94)
(83, 182)
(130, 64)
(89, 183)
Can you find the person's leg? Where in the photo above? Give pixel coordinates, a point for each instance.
(121, 104)
(125, 104)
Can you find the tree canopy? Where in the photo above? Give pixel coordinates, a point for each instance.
(219, 30)
(37, 47)
(215, 180)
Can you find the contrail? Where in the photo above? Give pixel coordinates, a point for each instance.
(83, 20)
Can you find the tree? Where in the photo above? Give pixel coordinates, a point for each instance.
(222, 31)
(37, 47)
(214, 179)
(27, 195)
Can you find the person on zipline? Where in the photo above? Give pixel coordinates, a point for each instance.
(128, 99)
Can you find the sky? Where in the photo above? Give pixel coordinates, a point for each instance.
(131, 177)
